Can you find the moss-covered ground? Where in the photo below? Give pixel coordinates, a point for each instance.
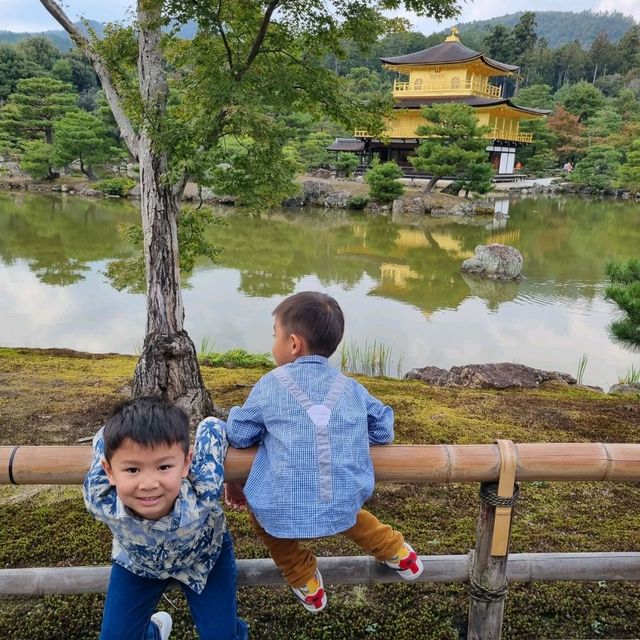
(58, 397)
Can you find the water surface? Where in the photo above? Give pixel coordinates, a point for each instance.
(398, 283)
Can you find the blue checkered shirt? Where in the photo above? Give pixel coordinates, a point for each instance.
(185, 543)
(283, 488)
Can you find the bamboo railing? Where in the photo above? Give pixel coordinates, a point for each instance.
(487, 570)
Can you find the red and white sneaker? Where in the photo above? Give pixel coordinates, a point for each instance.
(406, 563)
(312, 594)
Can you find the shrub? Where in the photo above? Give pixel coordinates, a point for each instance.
(384, 183)
(346, 163)
(235, 358)
(357, 202)
(116, 186)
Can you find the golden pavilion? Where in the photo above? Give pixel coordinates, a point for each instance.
(449, 72)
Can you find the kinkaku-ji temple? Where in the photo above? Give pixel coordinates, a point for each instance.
(447, 73)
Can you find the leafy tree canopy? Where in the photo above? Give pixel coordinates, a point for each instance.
(14, 65)
(582, 99)
(39, 50)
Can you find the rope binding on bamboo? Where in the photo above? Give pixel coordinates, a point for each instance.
(489, 494)
(478, 591)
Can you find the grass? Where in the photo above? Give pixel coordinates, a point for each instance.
(631, 377)
(582, 365)
(52, 397)
(366, 359)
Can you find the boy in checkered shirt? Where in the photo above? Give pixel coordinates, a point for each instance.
(313, 471)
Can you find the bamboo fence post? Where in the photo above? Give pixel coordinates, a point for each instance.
(488, 563)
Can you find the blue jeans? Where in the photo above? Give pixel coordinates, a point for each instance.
(131, 600)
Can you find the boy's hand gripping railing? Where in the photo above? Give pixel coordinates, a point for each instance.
(487, 568)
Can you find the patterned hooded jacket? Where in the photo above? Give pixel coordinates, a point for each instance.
(185, 543)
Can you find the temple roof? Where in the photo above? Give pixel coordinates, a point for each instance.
(472, 101)
(346, 144)
(449, 52)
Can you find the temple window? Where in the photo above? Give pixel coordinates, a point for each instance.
(455, 82)
(417, 85)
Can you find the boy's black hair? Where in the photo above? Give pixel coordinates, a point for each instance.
(315, 316)
(147, 421)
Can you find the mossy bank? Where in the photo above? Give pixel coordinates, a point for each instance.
(59, 397)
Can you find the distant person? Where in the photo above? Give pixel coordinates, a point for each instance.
(313, 471)
(568, 167)
(160, 498)
(518, 166)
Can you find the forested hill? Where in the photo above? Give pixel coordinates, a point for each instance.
(60, 39)
(558, 27)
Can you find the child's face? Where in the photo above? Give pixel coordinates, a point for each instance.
(148, 480)
(285, 345)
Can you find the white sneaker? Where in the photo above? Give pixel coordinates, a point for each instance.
(312, 595)
(163, 621)
(406, 563)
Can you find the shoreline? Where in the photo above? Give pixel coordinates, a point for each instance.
(335, 193)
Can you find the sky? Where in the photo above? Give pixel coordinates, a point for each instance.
(30, 15)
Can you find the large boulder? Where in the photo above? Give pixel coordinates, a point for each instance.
(499, 375)
(626, 388)
(92, 193)
(315, 192)
(497, 261)
(337, 200)
(325, 174)
(410, 205)
(11, 169)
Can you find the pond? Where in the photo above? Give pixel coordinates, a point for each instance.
(399, 283)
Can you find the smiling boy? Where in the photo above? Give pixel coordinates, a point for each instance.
(160, 498)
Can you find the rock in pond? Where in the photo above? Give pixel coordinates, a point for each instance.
(497, 261)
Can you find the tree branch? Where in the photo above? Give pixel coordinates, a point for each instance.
(124, 124)
(257, 43)
(227, 48)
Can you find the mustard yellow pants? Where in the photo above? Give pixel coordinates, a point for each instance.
(298, 564)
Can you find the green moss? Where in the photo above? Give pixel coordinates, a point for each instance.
(55, 397)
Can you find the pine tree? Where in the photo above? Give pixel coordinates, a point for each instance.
(598, 168)
(38, 103)
(624, 290)
(384, 181)
(81, 136)
(452, 142)
(629, 173)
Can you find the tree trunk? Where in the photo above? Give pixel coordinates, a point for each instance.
(87, 169)
(168, 366)
(432, 183)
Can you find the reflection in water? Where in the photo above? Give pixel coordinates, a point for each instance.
(61, 236)
(501, 207)
(400, 284)
(494, 292)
